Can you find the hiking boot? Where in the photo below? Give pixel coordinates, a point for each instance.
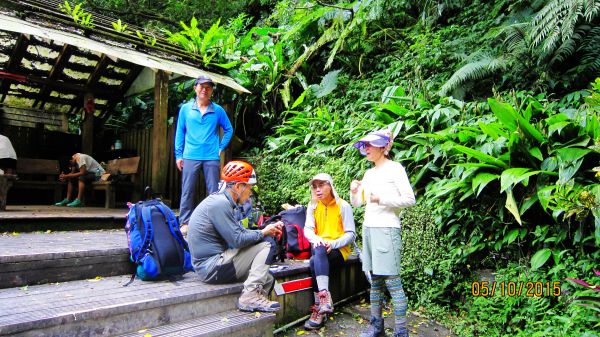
(75, 203)
(316, 320)
(256, 300)
(375, 328)
(326, 304)
(63, 203)
(184, 230)
(402, 332)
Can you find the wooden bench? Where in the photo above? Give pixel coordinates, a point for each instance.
(39, 174)
(123, 174)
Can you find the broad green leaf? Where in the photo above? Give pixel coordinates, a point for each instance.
(307, 138)
(228, 65)
(300, 98)
(511, 236)
(513, 176)
(530, 130)
(569, 162)
(569, 155)
(528, 203)
(481, 156)
(540, 258)
(511, 206)
(328, 84)
(536, 153)
(557, 127)
(545, 195)
(505, 113)
(481, 180)
(493, 130)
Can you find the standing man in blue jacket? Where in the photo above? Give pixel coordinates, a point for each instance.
(197, 145)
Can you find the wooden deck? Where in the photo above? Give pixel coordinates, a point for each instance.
(26, 218)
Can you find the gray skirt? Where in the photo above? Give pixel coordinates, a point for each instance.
(381, 250)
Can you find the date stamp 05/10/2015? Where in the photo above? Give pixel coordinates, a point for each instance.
(516, 288)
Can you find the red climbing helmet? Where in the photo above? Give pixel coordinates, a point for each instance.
(239, 172)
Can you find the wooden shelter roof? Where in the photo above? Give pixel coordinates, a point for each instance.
(48, 62)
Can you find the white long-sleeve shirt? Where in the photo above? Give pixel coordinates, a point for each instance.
(390, 183)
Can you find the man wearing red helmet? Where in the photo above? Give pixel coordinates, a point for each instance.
(223, 251)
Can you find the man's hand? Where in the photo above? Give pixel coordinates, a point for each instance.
(374, 199)
(179, 163)
(354, 185)
(273, 229)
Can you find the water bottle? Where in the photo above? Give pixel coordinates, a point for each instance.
(98, 174)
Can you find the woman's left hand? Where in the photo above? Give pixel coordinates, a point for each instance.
(328, 246)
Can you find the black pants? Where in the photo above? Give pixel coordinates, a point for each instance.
(321, 263)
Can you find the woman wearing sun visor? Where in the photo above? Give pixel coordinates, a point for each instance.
(385, 189)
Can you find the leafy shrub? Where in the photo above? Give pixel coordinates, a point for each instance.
(546, 315)
(427, 271)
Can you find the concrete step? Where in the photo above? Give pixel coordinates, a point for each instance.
(35, 258)
(104, 307)
(232, 323)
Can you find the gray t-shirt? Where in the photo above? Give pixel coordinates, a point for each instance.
(91, 165)
(214, 228)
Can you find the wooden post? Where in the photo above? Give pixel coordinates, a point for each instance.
(87, 133)
(159, 133)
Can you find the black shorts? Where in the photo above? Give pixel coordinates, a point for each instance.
(8, 163)
(88, 177)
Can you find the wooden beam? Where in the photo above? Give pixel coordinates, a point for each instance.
(133, 73)
(92, 80)
(57, 69)
(13, 63)
(159, 132)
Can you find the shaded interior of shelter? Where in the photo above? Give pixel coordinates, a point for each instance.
(44, 83)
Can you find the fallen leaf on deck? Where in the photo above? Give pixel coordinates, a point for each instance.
(257, 314)
(142, 331)
(95, 279)
(224, 319)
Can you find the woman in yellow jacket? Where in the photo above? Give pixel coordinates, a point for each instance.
(330, 229)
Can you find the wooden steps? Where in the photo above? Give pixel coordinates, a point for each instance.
(104, 307)
(229, 323)
(34, 258)
(72, 284)
(94, 303)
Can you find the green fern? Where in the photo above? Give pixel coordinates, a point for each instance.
(558, 21)
(476, 70)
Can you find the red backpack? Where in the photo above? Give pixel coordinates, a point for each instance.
(297, 245)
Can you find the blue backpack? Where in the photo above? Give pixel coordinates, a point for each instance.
(155, 242)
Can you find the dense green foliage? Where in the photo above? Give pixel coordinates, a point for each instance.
(495, 120)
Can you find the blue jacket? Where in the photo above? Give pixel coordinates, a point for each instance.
(197, 136)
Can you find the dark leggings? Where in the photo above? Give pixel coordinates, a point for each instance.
(320, 263)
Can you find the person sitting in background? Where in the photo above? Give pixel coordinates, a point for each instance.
(84, 169)
(330, 229)
(8, 156)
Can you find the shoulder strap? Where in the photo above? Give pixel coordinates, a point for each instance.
(147, 221)
(170, 217)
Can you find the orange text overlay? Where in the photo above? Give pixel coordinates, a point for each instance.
(516, 288)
